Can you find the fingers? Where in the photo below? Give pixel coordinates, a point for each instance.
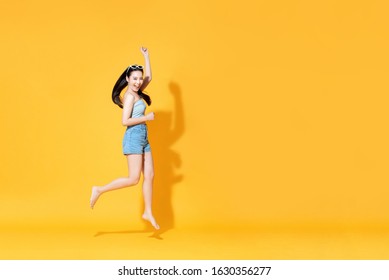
(143, 50)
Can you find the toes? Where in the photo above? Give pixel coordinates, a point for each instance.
(151, 220)
(94, 196)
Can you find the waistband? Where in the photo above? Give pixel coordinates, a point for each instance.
(140, 125)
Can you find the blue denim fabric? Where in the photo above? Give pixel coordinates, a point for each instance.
(135, 140)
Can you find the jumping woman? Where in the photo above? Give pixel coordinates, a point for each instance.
(136, 146)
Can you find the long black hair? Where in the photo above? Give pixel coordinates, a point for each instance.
(121, 83)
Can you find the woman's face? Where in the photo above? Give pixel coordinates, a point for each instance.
(135, 80)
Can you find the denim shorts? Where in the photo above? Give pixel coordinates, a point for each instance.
(135, 140)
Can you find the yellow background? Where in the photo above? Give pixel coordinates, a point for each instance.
(270, 138)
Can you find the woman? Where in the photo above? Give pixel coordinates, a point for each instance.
(135, 142)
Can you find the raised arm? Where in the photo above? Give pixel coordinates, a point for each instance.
(147, 76)
(128, 104)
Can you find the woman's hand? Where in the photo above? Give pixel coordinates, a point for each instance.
(150, 116)
(144, 51)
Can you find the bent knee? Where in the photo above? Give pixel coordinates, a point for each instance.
(133, 180)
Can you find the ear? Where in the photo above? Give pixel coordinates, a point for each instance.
(127, 79)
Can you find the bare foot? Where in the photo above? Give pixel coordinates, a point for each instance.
(151, 219)
(94, 196)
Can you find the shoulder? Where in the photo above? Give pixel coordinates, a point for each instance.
(128, 98)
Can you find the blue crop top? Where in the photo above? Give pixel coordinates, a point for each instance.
(139, 109)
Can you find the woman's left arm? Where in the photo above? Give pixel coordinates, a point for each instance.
(147, 77)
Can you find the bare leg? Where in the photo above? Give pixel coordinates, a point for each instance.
(134, 169)
(148, 177)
